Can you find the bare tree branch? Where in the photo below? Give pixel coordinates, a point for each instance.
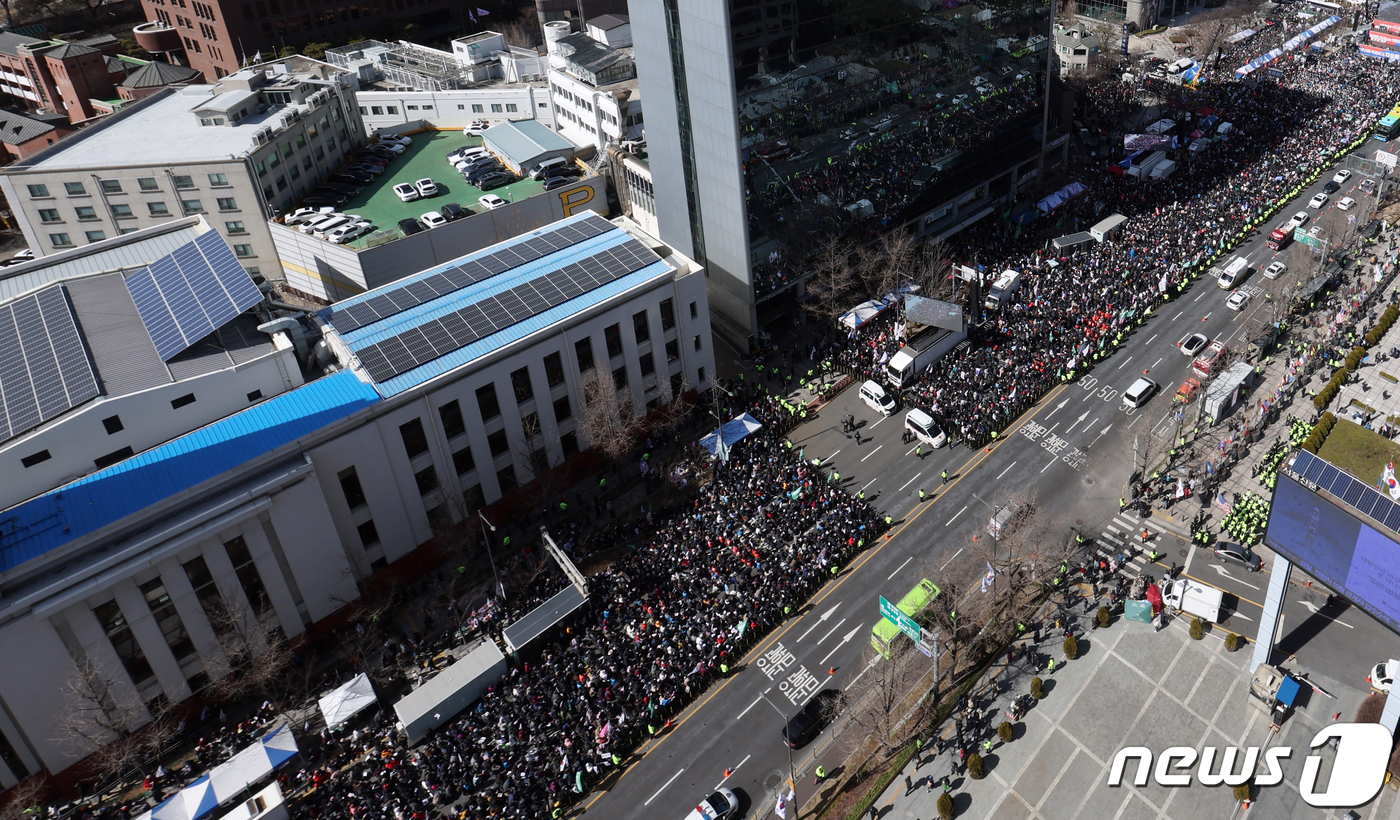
(607, 419)
(115, 732)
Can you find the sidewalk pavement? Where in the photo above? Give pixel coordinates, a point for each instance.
(1130, 686)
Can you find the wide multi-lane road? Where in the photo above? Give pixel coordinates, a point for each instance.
(1072, 453)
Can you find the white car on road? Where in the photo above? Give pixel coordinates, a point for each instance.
(1237, 300)
(1345, 203)
(1341, 176)
(1275, 270)
(1318, 201)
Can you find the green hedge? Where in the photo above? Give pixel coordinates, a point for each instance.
(1320, 431)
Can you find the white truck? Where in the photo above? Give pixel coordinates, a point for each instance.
(1193, 598)
(1164, 169)
(922, 346)
(1005, 285)
(1146, 166)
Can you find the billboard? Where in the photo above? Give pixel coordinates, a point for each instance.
(1146, 142)
(946, 315)
(1383, 38)
(1340, 531)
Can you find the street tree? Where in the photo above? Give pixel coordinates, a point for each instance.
(879, 698)
(607, 417)
(109, 725)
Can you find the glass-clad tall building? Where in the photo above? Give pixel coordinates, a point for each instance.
(773, 125)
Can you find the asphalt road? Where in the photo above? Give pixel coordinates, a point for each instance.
(1072, 452)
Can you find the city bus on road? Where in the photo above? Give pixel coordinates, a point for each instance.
(1389, 126)
(884, 634)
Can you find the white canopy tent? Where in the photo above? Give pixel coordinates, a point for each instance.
(228, 780)
(347, 700)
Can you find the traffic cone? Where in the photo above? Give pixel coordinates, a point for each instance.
(728, 772)
(831, 671)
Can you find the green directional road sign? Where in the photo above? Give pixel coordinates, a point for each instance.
(1301, 235)
(904, 622)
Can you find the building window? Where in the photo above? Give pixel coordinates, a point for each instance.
(113, 424)
(510, 108)
(486, 401)
(350, 485)
(554, 369)
(569, 444)
(391, 109)
(506, 477)
(694, 314)
(248, 576)
(476, 109)
(188, 398)
(620, 377)
(37, 458)
(697, 342)
(498, 443)
(113, 622)
(452, 423)
(427, 479)
(668, 315)
(60, 240)
(612, 336)
(234, 227)
(111, 186)
(95, 236)
(157, 209)
(148, 184)
(473, 498)
(369, 534)
(583, 351)
(192, 206)
(255, 395)
(700, 376)
(163, 610)
(415, 440)
(86, 214)
(184, 182)
(520, 380)
(74, 189)
(49, 215)
(648, 365)
(247, 250)
(673, 351)
(122, 211)
(495, 108)
(561, 409)
(640, 327)
(227, 203)
(197, 569)
(38, 191)
(376, 110)
(463, 462)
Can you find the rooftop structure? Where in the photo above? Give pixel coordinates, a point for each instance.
(476, 60)
(594, 83)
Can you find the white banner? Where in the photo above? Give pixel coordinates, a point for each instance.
(1386, 158)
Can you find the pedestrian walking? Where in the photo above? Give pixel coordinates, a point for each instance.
(1051, 666)
(908, 785)
(945, 476)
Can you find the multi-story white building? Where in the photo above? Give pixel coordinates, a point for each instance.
(237, 152)
(431, 397)
(594, 88)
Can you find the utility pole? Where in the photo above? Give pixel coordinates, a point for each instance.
(486, 539)
(792, 770)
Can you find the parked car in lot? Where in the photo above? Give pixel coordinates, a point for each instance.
(406, 192)
(494, 181)
(1318, 201)
(396, 139)
(372, 159)
(1346, 203)
(1341, 176)
(433, 219)
(339, 187)
(306, 214)
(491, 202)
(453, 212)
(558, 182)
(426, 187)
(476, 128)
(371, 168)
(1331, 187)
(353, 178)
(410, 227)
(310, 226)
(345, 233)
(331, 198)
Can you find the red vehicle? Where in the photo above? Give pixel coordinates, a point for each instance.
(1280, 238)
(1211, 361)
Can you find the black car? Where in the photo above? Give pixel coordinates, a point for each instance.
(481, 169)
(557, 182)
(566, 171)
(353, 178)
(809, 722)
(453, 212)
(494, 181)
(325, 198)
(375, 150)
(1331, 187)
(338, 187)
(411, 227)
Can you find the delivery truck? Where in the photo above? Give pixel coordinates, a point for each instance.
(1164, 169)
(1193, 598)
(1001, 290)
(922, 346)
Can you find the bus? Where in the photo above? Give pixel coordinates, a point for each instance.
(1389, 126)
(885, 633)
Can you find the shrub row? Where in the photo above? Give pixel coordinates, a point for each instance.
(1313, 443)
(1383, 324)
(1326, 394)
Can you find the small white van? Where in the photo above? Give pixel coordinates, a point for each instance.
(924, 428)
(542, 170)
(874, 395)
(1138, 393)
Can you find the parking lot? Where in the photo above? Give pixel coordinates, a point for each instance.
(426, 157)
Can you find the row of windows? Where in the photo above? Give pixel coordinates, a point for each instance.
(88, 213)
(477, 108)
(114, 186)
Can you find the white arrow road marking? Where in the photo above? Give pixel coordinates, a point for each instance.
(896, 572)
(732, 770)
(845, 639)
(1057, 409)
(831, 630)
(663, 788)
(824, 616)
(1070, 428)
(1227, 574)
(1101, 434)
(1238, 615)
(1313, 609)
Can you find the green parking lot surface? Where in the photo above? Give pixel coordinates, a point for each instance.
(426, 157)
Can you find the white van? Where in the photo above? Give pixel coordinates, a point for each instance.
(1234, 273)
(874, 395)
(542, 170)
(1138, 393)
(924, 428)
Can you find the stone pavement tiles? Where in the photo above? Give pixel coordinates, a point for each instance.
(1130, 686)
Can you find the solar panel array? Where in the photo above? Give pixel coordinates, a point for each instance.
(396, 300)
(1358, 494)
(191, 293)
(44, 368)
(422, 344)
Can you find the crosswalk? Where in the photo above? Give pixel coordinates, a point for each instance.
(1122, 535)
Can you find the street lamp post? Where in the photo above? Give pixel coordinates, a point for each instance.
(993, 531)
(486, 539)
(714, 411)
(792, 770)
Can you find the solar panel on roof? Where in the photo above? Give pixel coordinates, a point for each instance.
(187, 295)
(420, 291)
(44, 368)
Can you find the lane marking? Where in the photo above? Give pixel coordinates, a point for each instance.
(1207, 316)
(955, 516)
(819, 621)
(1178, 315)
(878, 423)
(663, 788)
(1198, 298)
(828, 459)
(872, 452)
(896, 572)
(1053, 459)
(853, 683)
(871, 481)
(1004, 472)
(950, 560)
(1154, 338)
(910, 481)
(750, 706)
(1125, 363)
(828, 634)
(732, 770)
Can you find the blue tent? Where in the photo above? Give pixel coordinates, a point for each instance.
(733, 431)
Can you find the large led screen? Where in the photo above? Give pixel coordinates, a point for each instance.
(1337, 546)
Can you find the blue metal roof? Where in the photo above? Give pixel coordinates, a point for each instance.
(49, 521)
